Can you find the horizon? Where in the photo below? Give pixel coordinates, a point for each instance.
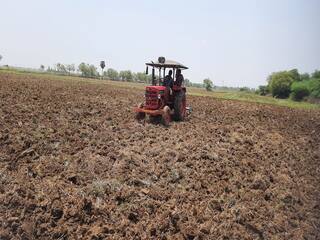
(235, 44)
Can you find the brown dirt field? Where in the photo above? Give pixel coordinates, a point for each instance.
(74, 164)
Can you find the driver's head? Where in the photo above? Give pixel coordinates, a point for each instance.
(170, 73)
(178, 71)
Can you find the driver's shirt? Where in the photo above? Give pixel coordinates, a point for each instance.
(168, 81)
(179, 80)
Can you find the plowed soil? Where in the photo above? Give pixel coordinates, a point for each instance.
(74, 164)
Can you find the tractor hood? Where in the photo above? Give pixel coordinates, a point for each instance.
(155, 88)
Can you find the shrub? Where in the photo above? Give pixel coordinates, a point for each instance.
(88, 70)
(299, 90)
(263, 90)
(305, 76)
(208, 84)
(295, 75)
(244, 89)
(305, 88)
(316, 74)
(280, 84)
(314, 87)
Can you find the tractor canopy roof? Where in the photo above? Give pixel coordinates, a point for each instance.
(167, 64)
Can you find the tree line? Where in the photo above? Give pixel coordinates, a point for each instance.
(91, 71)
(283, 84)
(292, 84)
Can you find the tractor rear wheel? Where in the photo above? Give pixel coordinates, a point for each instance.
(140, 115)
(179, 106)
(166, 118)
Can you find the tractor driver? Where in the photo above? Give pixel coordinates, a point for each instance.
(179, 78)
(168, 83)
(168, 80)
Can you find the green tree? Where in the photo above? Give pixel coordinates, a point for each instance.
(122, 75)
(295, 74)
(314, 86)
(208, 84)
(299, 90)
(83, 68)
(263, 90)
(244, 89)
(111, 74)
(70, 68)
(42, 67)
(0, 57)
(93, 71)
(126, 75)
(149, 78)
(129, 75)
(141, 77)
(88, 70)
(61, 68)
(280, 83)
(316, 74)
(304, 76)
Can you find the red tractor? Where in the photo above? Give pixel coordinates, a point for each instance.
(163, 101)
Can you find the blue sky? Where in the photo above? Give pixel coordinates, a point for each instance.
(235, 43)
